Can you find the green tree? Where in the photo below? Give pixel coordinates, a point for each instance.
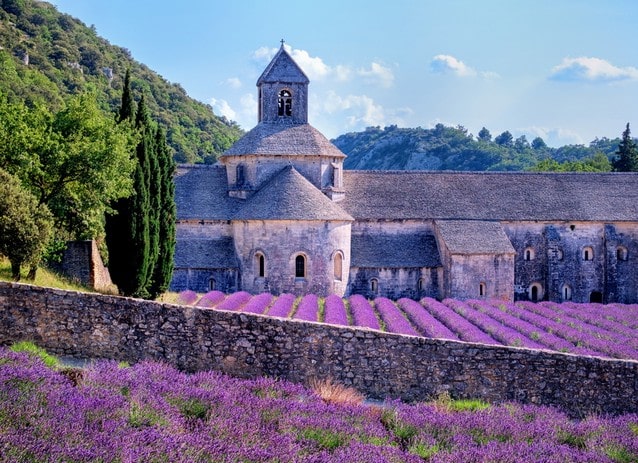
(627, 153)
(25, 225)
(163, 270)
(538, 144)
(504, 139)
(484, 135)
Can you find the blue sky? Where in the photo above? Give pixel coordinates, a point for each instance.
(565, 70)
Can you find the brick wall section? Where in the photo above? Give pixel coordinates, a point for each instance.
(377, 364)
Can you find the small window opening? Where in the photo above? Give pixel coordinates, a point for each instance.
(572, 227)
(535, 292)
(621, 253)
(212, 284)
(284, 103)
(420, 284)
(260, 264)
(374, 285)
(240, 173)
(482, 289)
(300, 266)
(588, 253)
(529, 254)
(566, 293)
(338, 266)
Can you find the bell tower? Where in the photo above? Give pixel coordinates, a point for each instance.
(283, 91)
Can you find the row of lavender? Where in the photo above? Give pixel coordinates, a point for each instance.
(151, 412)
(583, 329)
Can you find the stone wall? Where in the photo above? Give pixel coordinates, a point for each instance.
(82, 262)
(378, 364)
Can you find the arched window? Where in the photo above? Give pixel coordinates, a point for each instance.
(588, 253)
(300, 266)
(482, 291)
(621, 253)
(260, 265)
(338, 266)
(212, 284)
(535, 292)
(374, 285)
(528, 254)
(284, 103)
(566, 293)
(420, 284)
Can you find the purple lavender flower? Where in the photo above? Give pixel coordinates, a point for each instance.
(187, 297)
(465, 330)
(395, 320)
(211, 299)
(335, 311)
(426, 323)
(282, 306)
(258, 304)
(234, 301)
(362, 312)
(308, 308)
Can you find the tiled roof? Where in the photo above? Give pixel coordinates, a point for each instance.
(282, 68)
(499, 196)
(201, 193)
(290, 196)
(474, 237)
(273, 138)
(394, 251)
(218, 253)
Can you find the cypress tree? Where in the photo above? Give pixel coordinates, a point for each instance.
(163, 270)
(627, 160)
(127, 109)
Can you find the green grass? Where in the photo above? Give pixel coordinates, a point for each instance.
(43, 277)
(29, 347)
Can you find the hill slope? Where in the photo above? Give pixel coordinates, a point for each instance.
(46, 55)
(449, 148)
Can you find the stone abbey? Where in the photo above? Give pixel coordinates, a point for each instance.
(278, 213)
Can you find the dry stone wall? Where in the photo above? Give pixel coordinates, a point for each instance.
(380, 365)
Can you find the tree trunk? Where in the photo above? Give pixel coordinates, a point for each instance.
(32, 271)
(15, 271)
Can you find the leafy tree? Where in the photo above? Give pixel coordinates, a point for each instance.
(25, 226)
(504, 139)
(539, 144)
(596, 163)
(484, 135)
(627, 153)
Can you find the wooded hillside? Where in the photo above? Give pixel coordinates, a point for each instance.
(46, 55)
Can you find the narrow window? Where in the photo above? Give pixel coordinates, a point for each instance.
(535, 292)
(482, 289)
(212, 284)
(241, 178)
(260, 265)
(374, 285)
(338, 266)
(621, 253)
(588, 253)
(566, 293)
(420, 284)
(300, 266)
(284, 103)
(529, 254)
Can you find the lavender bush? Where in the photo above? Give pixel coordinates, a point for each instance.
(362, 312)
(234, 301)
(211, 299)
(151, 412)
(258, 304)
(335, 311)
(186, 297)
(395, 321)
(465, 330)
(426, 323)
(282, 306)
(308, 308)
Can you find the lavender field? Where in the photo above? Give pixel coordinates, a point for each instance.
(582, 329)
(151, 412)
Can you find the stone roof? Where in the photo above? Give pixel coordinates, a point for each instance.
(474, 237)
(201, 193)
(282, 68)
(270, 138)
(290, 196)
(501, 196)
(394, 251)
(218, 253)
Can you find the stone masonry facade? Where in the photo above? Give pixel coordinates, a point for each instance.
(380, 365)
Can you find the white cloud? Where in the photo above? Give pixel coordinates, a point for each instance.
(222, 108)
(445, 64)
(551, 136)
(233, 82)
(378, 73)
(592, 70)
